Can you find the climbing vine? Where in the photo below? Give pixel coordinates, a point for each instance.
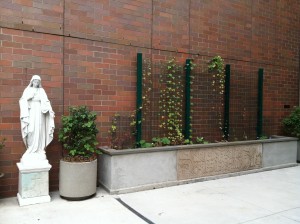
(216, 67)
(170, 86)
(171, 102)
(147, 87)
(122, 136)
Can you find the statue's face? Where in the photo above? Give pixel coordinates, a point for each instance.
(35, 83)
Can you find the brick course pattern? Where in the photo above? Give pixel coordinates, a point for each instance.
(85, 52)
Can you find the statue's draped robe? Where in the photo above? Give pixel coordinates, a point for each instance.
(37, 120)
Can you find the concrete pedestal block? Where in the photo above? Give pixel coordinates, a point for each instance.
(33, 184)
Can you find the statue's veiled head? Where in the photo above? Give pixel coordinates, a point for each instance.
(35, 81)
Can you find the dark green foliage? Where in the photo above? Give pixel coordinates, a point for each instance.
(156, 142)
(200, 140)
(2, 144)
(263, 137)
(78, 132)
(144, 144)
(161, 141)
(291, 123)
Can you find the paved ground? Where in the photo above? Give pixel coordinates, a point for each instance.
(271, 197)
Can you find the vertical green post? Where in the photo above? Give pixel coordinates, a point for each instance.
(226, 102)
(139, 100)
(187, 132)
(260, 103)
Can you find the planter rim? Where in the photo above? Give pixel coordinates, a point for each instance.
(61, 160)
(273, 139)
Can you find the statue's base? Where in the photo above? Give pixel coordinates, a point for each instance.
(33, 184)
(33, 201)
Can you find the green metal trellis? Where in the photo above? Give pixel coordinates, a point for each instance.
(139, 99)
(259, 128)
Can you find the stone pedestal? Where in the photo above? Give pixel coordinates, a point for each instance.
(33, 183)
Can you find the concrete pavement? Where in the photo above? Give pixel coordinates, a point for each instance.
(271, 197)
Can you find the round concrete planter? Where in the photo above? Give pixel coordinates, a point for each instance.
(77, 181)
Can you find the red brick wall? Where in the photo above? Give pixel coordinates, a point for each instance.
(85, 52)
(25, 53)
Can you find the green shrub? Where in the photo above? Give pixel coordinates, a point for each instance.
(291, 123)
(78, 132)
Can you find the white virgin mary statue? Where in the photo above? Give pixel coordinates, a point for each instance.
(37, 122)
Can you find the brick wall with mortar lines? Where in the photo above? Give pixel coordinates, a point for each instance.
(25, 53)
(85, 52)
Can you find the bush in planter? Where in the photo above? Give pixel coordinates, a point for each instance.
(78, 170)
(78, 134)
(291, 123)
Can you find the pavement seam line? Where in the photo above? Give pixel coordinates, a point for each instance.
(134, 211)
(275, 213)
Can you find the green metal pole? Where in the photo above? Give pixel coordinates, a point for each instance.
(187, 132)
(260, 103)
(226, 102)
(139, 100)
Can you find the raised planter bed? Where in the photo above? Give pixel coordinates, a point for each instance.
(129, 170)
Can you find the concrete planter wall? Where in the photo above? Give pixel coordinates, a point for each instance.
(130, 170)
(279, 151)
(298, 152)
(77, 180)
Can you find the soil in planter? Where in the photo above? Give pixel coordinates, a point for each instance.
(79, 158)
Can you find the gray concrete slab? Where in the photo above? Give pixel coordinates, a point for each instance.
(103, 208)
(271, 197)
(265, 197)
